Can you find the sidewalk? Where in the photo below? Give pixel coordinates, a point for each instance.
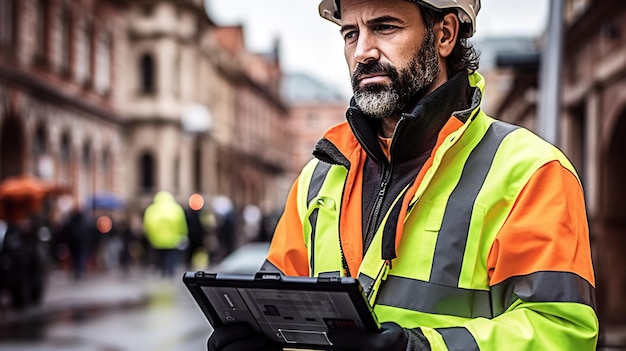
(98, 290)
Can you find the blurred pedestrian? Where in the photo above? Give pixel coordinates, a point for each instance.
(166, 229)
(80, 234)
(226, 224)
(196, 230)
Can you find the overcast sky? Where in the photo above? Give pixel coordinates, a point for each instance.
(312, 45)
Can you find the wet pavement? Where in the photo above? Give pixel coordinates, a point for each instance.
(107, 312)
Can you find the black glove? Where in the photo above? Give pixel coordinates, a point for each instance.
(391, 337)
(239, 337)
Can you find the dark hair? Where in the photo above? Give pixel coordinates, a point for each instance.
(463, 57)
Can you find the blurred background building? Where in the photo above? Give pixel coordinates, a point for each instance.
(62, 92)
(104, 103)
(203, 114)
(313, 109)
(131, 97)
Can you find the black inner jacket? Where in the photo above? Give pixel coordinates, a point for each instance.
(412, 143)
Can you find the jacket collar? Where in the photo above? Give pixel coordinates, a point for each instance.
(417, 129)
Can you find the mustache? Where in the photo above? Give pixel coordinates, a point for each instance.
(373, 67)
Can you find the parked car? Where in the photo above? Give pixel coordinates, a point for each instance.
(247, 259)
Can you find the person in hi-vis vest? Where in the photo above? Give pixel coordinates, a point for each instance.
(466, 233)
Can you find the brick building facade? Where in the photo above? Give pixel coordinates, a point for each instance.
(130, 97)
(60, 92)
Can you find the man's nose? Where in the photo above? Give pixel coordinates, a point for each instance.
(366, 49)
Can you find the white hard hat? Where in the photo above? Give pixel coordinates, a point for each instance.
(466, 10)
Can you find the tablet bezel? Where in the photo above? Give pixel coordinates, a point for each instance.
(195, 281)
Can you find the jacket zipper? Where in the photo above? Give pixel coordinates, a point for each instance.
(372, 222)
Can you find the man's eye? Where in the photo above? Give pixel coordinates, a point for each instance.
(385, 27)
(349, 35)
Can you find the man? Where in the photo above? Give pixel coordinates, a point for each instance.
(466, 233)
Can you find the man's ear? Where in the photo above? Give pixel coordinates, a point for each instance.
(446, 33)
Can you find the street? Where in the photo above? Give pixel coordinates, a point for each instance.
(108, 312)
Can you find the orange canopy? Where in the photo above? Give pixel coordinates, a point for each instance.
(22, 194)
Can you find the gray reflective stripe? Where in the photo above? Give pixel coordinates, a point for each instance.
(452, 238)
(269, 267)
(366, 282)
(427, 297)
(317, 180)
(313, 221)
(458, 339)
(547, 286)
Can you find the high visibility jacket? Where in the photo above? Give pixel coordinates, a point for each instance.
(490, 239)
(164, 222)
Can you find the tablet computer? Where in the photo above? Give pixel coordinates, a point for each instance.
(294, 311)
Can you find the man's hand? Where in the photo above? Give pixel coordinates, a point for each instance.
(239, 337)
(391, 337)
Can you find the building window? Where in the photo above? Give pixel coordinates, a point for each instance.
(65, 158)
(86, 174)
(103, 63)
(146, 173)
(7, 24)
(39, 150)
(83, 52)
(147, 74)
(86, 156)
(65, 38)
(39, 144)
(147, 10)
(41, 33)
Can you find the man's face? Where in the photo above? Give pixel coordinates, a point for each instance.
(391, 55)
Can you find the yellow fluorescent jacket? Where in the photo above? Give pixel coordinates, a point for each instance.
(492, 239)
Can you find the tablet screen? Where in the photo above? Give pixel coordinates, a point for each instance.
(292, 317)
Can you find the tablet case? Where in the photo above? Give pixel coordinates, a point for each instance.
(294, 311)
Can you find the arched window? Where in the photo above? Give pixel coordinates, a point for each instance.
(87, 157)
(65, 175)
(146, 173)
(147, 74)
(40, 141)
(40, 158)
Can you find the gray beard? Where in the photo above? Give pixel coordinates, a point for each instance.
(381, 101)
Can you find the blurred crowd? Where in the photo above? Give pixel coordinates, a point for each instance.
(166, 236)
(83, 238)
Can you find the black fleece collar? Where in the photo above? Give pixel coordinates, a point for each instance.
(418, 128)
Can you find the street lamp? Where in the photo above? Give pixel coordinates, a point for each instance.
(197, 121)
